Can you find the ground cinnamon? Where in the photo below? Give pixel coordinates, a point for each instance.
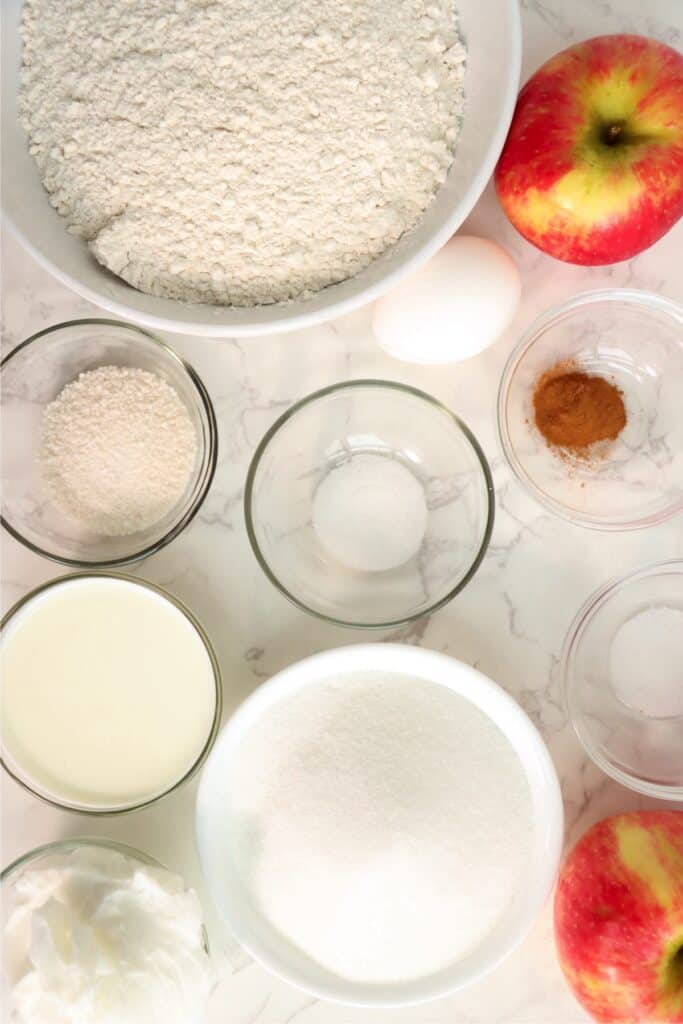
(575, 410)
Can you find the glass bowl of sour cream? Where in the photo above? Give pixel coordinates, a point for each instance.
(369, 503)
(95, 929)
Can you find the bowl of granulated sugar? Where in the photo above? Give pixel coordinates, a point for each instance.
(109, 443)
(379, 824)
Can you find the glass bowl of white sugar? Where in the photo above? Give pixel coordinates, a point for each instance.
(369, 504)
(623, 679)
(109, 443)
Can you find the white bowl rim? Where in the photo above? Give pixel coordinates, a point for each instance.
(436, 667)
(340, 307)
(637, 297)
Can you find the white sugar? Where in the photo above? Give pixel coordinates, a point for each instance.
(646, 662)
(118, 448)
(383, 824)
(370, 513)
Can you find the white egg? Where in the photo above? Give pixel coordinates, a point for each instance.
(454, 307)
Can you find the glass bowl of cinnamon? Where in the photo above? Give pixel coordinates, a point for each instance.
(590, 415)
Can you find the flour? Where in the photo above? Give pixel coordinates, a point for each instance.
(381, 823)
(239, 152)
(118, 447)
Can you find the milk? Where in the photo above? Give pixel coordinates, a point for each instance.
(108, 693)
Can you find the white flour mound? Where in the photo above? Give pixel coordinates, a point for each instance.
(382, 823)
(239, 152)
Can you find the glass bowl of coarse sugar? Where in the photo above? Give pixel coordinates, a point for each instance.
(109, 443)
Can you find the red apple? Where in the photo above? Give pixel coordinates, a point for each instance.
(619, 918)
(592, 170)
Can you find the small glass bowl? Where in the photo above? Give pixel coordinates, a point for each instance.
(630, 738)
(33, 374)
(65, 846)
(24, 779)
(430, 452)
(635, 340)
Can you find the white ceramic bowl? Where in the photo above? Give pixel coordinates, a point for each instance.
(270, 948)
(492, 33)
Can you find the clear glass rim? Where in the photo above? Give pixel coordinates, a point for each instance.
(672, 566)
(324, 393)
(626, 296)
(73, 843)
(218, 710)
(204, 478)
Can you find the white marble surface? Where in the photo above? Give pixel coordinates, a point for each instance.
(510, 621)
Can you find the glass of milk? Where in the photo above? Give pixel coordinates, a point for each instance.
(111, 693)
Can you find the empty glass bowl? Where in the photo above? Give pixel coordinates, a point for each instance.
(33, 374)
(635, 340)
(369, 504)
(622, 670)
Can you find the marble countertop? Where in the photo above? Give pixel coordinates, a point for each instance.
(510, 621)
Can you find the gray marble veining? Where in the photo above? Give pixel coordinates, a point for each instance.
(510, 621)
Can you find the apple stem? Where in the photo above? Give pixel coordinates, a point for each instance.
(677, 963)
(611, 133)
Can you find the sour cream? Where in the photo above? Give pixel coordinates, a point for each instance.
(94, 934)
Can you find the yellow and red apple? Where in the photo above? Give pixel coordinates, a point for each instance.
(619, 918)
(592, 170)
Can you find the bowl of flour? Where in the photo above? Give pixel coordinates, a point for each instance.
(379, 824)
(238, 169)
